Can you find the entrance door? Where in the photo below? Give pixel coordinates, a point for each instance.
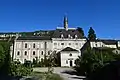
(70, 63)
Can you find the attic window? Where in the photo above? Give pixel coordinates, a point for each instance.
(68, 35)
(75, 36)
(60, 31)
(62, 36)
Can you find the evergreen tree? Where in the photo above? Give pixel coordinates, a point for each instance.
(91, 34)
(81, 31)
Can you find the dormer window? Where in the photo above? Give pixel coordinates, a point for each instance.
(75, 36)
(69, 36)
(62, 36)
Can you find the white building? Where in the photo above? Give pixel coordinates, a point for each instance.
(102, 44)
(66, 42)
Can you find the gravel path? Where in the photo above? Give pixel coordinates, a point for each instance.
(65, 73)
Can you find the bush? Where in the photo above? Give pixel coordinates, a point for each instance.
(18, 69)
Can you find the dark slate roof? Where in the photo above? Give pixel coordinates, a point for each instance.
(109, 41)
(57, 33)
(35, 38)
(106, 41)
(103, 48)
(69, 49)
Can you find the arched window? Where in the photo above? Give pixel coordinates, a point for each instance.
(70, 54)
(48, 52)
(66, 61)
(18, 53)
(25, 52)
(34, 45)
(69, 43)
(41, 52)
(25, 45)
(33, 52)
(41, 59)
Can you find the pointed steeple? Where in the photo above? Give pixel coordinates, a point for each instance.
(65, 23)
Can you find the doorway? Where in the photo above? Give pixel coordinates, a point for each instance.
(70, 63)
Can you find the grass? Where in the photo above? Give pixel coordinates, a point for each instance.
(46, 76)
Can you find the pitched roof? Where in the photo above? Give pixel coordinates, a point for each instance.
(103, 48)
(71, 32)
(106, 41)
(69, 49)
(109, 41)
(34, 38)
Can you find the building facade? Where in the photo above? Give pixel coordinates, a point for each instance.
(64, 41)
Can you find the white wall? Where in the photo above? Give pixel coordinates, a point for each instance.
(97, 44)
(111, 46)
(65, 56)
(118, 43)
(39, 47)
(73, 43)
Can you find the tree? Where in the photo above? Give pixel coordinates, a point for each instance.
(91, 34)
(81, 31)
(92, 60)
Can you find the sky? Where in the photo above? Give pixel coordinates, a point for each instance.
(31, 15)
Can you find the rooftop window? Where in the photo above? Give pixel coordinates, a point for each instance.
(68, 35)
(62, 36)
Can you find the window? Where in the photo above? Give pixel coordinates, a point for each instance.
(41, 59)
(55, 43)
(48, 52)
(66, 61)
(75, 36)
(70, 54)
(76, 43)
(18, 53)
(33, 52)
(62, 43)
(25, 52)
(68, 35)
(102, 46)
(116, 52)
(42, 53)
(34, 45)
(96, 44)
(69, 43)
(62, 36)
(24, 60)
(25, 45)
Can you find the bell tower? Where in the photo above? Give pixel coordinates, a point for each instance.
(65, 23)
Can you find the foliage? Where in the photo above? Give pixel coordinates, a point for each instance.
(81, 31)
(18, 69)
(4, 57)
(91, 34)
(8, 67)
(92, 60)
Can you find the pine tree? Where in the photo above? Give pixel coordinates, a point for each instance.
(91, 34)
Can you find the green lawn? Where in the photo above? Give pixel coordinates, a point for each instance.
(46, 76)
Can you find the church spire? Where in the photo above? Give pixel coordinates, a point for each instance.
(65, 23)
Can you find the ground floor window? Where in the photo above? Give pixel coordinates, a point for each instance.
(66, 61)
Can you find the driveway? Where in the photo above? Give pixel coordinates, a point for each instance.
(65, 73)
